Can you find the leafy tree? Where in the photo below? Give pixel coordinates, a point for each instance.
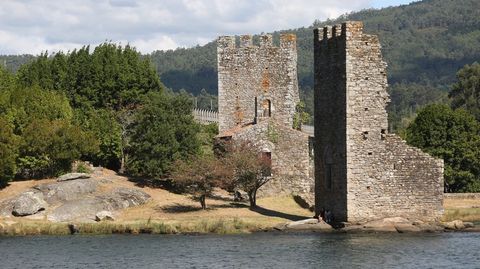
(454, 137)
(200, 175)
(163, 130)
(300, 117)
(102, 123)
(49, 147)
(8, 152)
(465, 92)
(252, 168)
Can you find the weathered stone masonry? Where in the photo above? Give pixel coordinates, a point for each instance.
(361, 171)
(257, 96)
(262, 77)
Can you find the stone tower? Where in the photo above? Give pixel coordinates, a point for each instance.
(256, 82)
(361, 171)
(257, 97)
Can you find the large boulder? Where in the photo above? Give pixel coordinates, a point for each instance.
(67, 190)
(73, 176)
(83, 210)
(28, 203)
(86, 210)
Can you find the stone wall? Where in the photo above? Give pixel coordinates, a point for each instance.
(256, 80)
(292, 162)
(362, 172)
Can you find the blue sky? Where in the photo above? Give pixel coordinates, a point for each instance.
(33, 26)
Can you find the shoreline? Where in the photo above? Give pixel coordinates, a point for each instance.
(201, 227)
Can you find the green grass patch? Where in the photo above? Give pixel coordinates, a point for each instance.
(465, 214)
(218, 226)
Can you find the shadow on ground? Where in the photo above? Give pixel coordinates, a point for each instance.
(273, 213)
(180, 208)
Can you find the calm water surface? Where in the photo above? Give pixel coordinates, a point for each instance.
(263, 250)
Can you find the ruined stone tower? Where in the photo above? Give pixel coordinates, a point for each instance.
(257, 97)
(361, 171)
(256, 82)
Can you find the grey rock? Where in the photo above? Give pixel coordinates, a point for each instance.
(454, 225)
(104, 215)
(121, 198)
(67, 190)
(468, 224)
(308, 224)
(6, 208)
(28, 203)
(73, 176)
(85, 210)
(407, 228)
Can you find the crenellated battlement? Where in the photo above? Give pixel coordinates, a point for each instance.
(345, 30)
(264, 41)
(257, 79)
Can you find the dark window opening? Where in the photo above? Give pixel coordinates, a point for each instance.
(365, 135)
(366, 109)
(370, 153)
(383, 134)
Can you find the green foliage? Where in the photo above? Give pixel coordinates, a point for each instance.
(406, 99)
(110, 77)
(200, 175)
(206, 137)
(48, 141)
(300, 117)
(454, 137)
(49, 147)
(8, 152)
(252, 169)
(465, 92)
(163, 131)
(102, 123)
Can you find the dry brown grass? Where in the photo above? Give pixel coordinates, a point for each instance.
(462, 209)
(168, 212)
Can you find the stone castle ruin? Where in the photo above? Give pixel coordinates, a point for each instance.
(361, 171)
(258, 94)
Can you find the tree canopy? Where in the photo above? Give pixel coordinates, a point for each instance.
(454, 136)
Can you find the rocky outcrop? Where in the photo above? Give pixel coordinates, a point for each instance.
(67, 190)
(28, 203)
(72, 200)
(73, 176)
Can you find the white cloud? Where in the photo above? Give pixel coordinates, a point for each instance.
(33, 26)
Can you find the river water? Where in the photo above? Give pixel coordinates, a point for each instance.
(260, 250)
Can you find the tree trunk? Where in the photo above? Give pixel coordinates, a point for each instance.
(252, 197)
(122, 163)
(202, 201)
